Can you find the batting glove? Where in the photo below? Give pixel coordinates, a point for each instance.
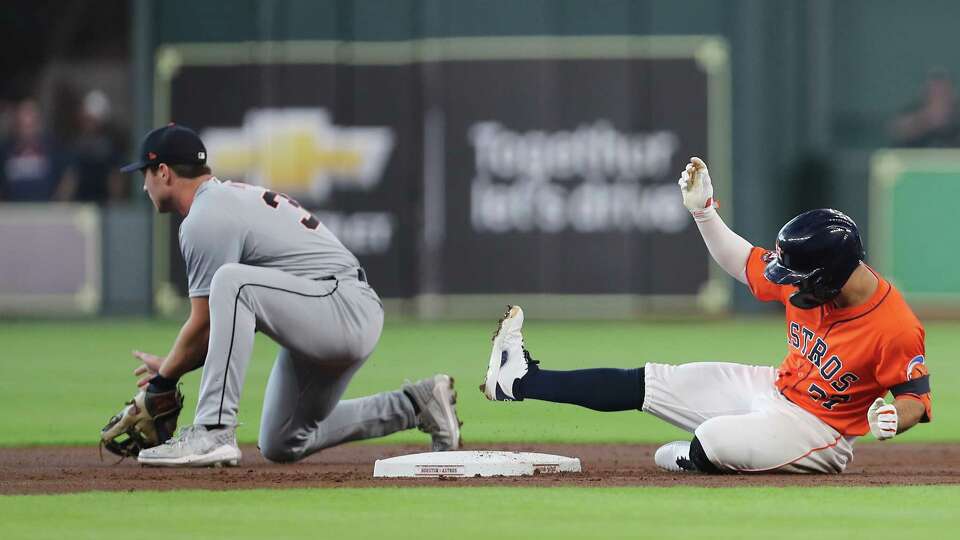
(697, 190)
(882, 419)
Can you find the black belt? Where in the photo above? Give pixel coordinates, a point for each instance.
(361, 275)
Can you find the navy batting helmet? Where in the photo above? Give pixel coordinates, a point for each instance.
(817, 251)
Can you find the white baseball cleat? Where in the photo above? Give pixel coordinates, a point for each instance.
(195, 446)
(674, 457)
(509, 361)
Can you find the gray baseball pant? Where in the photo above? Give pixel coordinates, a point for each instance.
(326, 330)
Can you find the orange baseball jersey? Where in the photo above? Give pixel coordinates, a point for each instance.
(840, 360)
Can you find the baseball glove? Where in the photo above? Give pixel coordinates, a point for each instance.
(147, 420)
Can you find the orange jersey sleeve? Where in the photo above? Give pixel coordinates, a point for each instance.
(762, 289)
(903, 371)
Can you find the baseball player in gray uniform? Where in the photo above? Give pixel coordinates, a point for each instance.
(257, 261)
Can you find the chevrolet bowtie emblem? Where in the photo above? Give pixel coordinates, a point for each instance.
(299, 150)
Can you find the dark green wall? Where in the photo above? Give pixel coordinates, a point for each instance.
(884, 50)
(814, 81)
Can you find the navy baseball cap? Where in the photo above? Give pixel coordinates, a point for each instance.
(172, 144)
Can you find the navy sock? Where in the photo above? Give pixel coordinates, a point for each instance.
(602, 389)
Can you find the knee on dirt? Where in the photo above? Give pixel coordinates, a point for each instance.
(280, 447)
(278, 452)
(718, 443)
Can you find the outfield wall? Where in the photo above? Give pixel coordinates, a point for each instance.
(812, 88)
(913, 225)
(74, 260)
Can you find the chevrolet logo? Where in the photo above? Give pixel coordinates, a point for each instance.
(299, 151)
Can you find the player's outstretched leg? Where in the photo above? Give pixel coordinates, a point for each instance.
(303, 412)
(513, 375)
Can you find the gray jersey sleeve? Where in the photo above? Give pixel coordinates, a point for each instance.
(207, 243)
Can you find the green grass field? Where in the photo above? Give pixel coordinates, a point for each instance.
(465, 513)
(59, 382)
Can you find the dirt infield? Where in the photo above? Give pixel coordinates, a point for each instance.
(64, 470)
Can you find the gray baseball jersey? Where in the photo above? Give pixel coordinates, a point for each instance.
(268, 265)
(232, 222)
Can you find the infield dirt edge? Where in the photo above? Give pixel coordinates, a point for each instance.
(44, 470)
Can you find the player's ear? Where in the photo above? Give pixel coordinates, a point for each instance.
(165, 173)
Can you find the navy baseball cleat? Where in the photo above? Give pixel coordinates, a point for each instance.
(509, 361)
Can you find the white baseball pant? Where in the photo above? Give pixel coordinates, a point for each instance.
(742, 420)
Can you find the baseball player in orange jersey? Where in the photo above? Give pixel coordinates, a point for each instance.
(851, 339)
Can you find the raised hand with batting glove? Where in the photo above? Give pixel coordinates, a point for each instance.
(697, 189)
(882, 418)
(728, 248)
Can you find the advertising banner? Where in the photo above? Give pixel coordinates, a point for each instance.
(341, 140)
(560, 176)
(478, 166)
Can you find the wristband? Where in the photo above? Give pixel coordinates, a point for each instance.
(706, 213)
(161, 384)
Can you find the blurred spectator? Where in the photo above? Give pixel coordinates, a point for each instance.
(96, 156)
(935, 120)
(32, 167)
